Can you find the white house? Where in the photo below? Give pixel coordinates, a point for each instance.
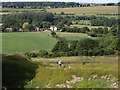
(53, 28)
(20, 30)
(8, 29)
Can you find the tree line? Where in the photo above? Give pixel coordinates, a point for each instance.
(50, 4)
(94, 20)
(93, 32)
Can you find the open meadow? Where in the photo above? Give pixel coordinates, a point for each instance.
(75, 73)
(34, 41)
(26, 41)
(73, 36)
(86, 10)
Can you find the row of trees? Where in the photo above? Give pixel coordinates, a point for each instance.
(30, 19)
(94, 32)
(94, 20)
(104, 22)
(48, 4)
(107, 45)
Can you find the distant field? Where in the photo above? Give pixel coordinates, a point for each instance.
(75, 10)
(19, 10)
(80, 26)
(34, 41)
(73, 36)
(13, 11)
(86, 10)
(23, 42)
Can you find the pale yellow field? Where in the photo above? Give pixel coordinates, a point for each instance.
(86, 10)
(89, 26)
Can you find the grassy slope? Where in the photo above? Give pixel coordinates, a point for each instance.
(16, 70)
(87, 10)
(73, 36)
(54, 75)
(34, 41)
(22, 42)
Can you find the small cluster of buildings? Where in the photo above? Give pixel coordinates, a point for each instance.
(37, 29)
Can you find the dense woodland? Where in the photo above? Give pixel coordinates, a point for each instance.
(49, 4)
(16, 21)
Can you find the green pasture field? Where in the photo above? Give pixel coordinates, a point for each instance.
(93, 75)
(34, 41)
(27, 41)
(86, 10)
(73, 36)
(19, 10)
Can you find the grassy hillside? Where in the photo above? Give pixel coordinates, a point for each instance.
(86, 10)
(16, 71)
(27, 41)
(19, 72)
(77, 75)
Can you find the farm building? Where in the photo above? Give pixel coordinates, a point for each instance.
(53, 28)
(8, 30)
(20, 30)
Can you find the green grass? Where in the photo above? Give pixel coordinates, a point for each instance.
(17, 70)
(73, 36)
(49, 74)
(27, 41)
(33, 41)
(19, 10)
